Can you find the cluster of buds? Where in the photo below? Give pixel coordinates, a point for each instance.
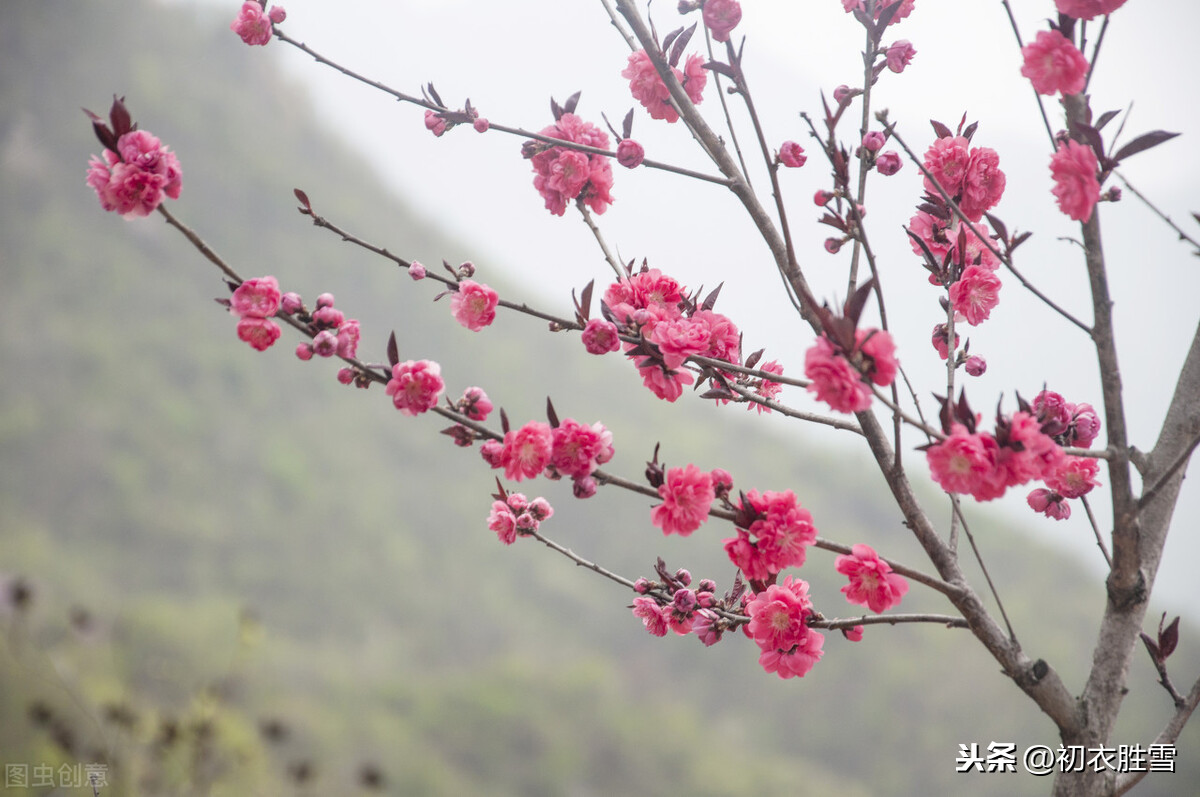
(672, 603)
(332, 334)
(514, 515)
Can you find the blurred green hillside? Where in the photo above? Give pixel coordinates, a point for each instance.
(244, 578)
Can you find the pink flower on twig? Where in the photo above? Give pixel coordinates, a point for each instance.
(415, 386)
(1076, 187)
(687, 496)
(872, 582)
(474, 305)
(1053, 64)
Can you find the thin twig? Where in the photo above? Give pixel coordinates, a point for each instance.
(889, 619)
(1168, 735)
(1041, 105)
(608, 255)
(1180, 461)
(1096, 530)
(1183, 236)
(1012, 635)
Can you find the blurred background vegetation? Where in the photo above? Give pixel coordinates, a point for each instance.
(224, 573)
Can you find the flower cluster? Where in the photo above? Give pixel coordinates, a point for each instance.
(133, 179)
(332, 333)
(773, 533)
(872, 582)
(648, 88)
(562, 174)
(842, 378)
(255, 302)
(253, 25)
(1053, 64)
(653, 306)
(687, 495)
(970, 176)
(1076, 187)
(673, 604)
(779, 626)
(1072, 477)
(516, 515)
(569, 449)
(984, 465)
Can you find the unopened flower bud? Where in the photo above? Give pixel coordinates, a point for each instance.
(707, 585)
(684, 601)
(585, 487)
(277, 14)
(466, 270)
(873, 141)
(481, 125)
(888, 163)
(823, 198)
(325, 343)
(325, 300)
(900, 55)
(434, 123)
(345, 375)
(416, 270)
(290, 303)
(841, 95)
(975, 365)
(832, 245)
(492, 452)
(641, 586)
(630, 154)
(683, 577)
(304, 352)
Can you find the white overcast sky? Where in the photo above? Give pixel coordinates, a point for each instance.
(509, 58)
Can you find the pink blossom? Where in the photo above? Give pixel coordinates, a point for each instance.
(666, 385)
(983, 183)
(256, 298)
(328, 317)
(600, 336)
(854, 634)
(843, 93)
(872, 582)
(251, 24)
(721, 17)
(834, 380)
(706, 629)
(304, 352)
(133, 180)
(879, 355)
(1076, 188)
(888, 163)
(766, 388)
(1050, 504)
(781, 529)
(348, 335)
(1087, 9)
(779, 626)
(577, 450)
(947, 160)
(260, 333)
(415, 386)
(942, 239)
(502, 521)
(474, 305)
(792, 155)
(975, 295)
(1025, 453)
(687, 495)
(1052, 412)
(680, 338)
(941, 341)
(527, 451)
(1053, 64)
(475, 404)
(551, 177)
(651, 615)
(905, 9)
(724, 340)
(1085, 425)
(648, 88)
(1074, 477)
(900, 55)
(630, 154)
(492, 452)
(961, 463)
